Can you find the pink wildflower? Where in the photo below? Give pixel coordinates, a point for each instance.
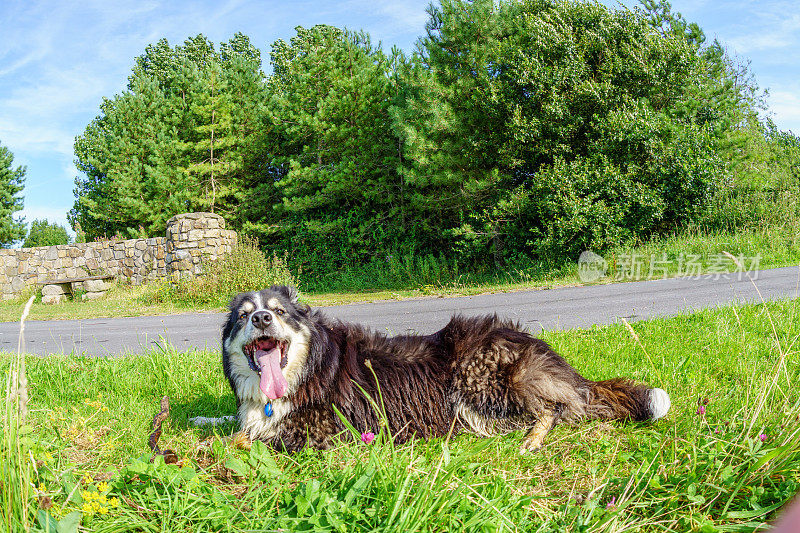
(701, 410)
(612, 504)
(763, 437)
(367, 437)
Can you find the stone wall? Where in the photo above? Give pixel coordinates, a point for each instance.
(191, 239)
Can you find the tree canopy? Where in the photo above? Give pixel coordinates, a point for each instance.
(45, 233)
(517, 129)
(172, 141)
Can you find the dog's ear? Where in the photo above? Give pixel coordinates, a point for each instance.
(294, 294)
(236, 301)
(288, 291)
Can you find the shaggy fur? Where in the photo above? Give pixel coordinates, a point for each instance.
(478, 374)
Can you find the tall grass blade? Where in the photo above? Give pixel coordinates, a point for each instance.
(15, 468)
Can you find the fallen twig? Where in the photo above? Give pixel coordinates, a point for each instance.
(169, 455)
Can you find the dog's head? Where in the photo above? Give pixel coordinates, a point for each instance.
(265, 343)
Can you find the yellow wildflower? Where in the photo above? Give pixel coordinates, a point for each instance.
(103, 510)
(102, 487)
(87, 508)
(42, 488)
(113, 502)
(87, 479)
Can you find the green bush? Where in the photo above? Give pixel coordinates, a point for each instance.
(736, 209)
(44, 233)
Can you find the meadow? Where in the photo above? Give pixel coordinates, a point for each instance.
(397, 199)
(726, 458)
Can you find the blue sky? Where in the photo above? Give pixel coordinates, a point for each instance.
(58, 59)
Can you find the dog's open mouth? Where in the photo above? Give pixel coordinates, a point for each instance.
(267, 356)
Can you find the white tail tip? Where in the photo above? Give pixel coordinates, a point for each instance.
(659, 403)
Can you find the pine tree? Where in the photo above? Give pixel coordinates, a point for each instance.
(134, 156)
(80, 235)
(131, 156)
(12, 181)
(332, 180)
(212, 155)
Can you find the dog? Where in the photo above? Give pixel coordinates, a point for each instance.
(291, 368)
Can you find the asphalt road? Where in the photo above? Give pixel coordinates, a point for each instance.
(567, 307)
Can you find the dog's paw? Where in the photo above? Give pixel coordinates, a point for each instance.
(528, 446)
(241, 440)
(203, 420)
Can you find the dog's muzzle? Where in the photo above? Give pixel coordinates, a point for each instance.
(267, 356)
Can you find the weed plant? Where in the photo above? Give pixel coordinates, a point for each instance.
(17, 506)
(246, 268)
(16, 470)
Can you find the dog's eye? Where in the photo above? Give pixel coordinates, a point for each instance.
(280, 312)
(243, 314)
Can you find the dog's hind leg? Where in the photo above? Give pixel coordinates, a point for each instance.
(534, 439)
(542, 378)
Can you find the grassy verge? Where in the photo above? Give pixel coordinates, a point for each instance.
(691, 252)
(725, 459)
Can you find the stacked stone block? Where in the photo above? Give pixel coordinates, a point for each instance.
(90, 289)
(136, 260)
(194, 239)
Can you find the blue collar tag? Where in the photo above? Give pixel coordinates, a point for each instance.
(268, 409)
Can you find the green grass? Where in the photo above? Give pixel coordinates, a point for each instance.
(406, 277)
(689, 472)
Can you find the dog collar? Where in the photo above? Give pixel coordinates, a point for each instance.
(268, 409)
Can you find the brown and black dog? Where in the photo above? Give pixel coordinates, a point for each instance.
(289, 366)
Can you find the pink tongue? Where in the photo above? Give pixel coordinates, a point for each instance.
(273, 384)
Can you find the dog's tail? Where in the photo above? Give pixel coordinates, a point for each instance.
(622, 398)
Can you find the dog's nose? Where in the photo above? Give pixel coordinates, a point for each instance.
(261, 319)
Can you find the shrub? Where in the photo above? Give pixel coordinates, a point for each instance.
(44, 233)
(245, 269)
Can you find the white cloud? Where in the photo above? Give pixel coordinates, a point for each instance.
(772, 30)
(35, 138)
(785, 107)
(57, 92)
(405, 17)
